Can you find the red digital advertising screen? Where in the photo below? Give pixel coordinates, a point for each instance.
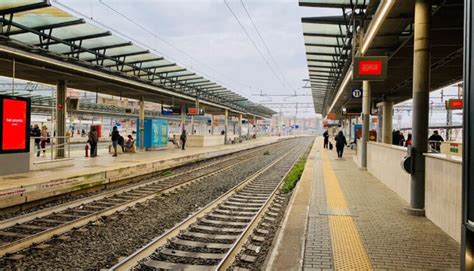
(370, 67)
(15, 124)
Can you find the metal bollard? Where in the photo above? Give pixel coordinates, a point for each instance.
(87, 150)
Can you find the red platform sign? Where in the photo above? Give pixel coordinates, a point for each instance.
(370, 68)
(15, 115)
(454, 104)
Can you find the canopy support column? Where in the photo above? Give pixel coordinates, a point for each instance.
(226, 122)
(365, 122)
(60, 118)
(387, 109)
(240, 127)
(142, 123)
(467, 228)
(421, 94)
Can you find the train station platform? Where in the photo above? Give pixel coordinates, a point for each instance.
(343, 218)
(17, 189)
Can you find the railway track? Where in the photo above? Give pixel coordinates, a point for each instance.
(212, 238)
(21, 232)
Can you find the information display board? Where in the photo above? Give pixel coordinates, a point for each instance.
(370, 68)
(453, 104)
(194, 111)
(15, 124)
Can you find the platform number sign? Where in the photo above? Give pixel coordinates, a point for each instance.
(357, 93)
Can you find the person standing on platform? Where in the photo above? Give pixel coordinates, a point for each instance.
(44, 139)
(36, 133)
(409, 141)
(435, 141)
(115, 139)
(340, 143)
(93, 139)
(401, 140)
(183, 138)
(326, 139)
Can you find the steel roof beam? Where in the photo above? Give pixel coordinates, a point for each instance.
(81, 38)
(133, 63)
(178, 70)
(51, 26)
(150, 68)
(42, 4)
(100, 48)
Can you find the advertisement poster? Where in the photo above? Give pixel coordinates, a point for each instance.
(15, 114)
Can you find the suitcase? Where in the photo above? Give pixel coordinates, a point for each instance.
(330, 146)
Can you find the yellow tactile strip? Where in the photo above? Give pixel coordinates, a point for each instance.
(347, 248)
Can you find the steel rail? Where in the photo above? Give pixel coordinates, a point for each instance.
(134, 259)
(47, 234)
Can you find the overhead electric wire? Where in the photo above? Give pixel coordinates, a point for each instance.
(151, 48)
(265, 44)
(170, 44)
(253, 42)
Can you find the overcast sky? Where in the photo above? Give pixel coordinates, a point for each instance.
(207, 31)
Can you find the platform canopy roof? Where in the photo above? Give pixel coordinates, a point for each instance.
(43, 29)
(393, 39)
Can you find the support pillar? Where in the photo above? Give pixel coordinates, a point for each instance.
(142, 124)
(350, 129)
(60, 118)
(387, 120)
(212, 124)
(421, 92)
(248, 128)
(183, 118)
(365, 122)
(240, 127)
(255, 124)
(226, 122)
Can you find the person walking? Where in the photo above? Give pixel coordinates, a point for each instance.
(36, 133)
(326, 139)
(183, 138)
(115, 139)
(93, 140)
(340, 143)
(44, 139)
(435, 141)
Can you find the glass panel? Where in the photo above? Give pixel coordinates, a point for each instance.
(123, 50)
(326, 29)
(7, 4)
(76, 31)
(102, 41)
(318, 57)
(325, 64)
(322, 50)
(321, 40)
(42, 16)
(319, 73)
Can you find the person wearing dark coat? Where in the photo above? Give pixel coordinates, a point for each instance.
(340, 144)
(183, 138)
(115, 139)
(435, 141)
(326, 139)
(36, 133)
(93, 140)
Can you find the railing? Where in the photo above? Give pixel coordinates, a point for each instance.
(54, 148)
